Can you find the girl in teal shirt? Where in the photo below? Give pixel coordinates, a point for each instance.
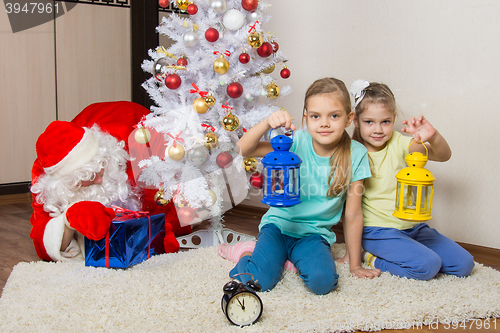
(331, 174)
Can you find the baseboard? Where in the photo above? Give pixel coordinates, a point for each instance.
(15, 188)
(485, 255)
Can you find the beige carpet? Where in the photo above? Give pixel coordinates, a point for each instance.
(182, 292)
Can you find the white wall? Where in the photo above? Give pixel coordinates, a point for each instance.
(441, 59)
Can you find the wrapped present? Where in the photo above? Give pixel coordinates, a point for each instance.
(132, 238)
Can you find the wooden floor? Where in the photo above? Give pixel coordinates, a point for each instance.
(16, 246)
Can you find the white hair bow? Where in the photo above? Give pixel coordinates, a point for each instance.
(358, 91)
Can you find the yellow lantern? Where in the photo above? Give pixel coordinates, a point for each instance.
(415, 189)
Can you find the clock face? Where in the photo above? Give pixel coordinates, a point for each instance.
(244, 308)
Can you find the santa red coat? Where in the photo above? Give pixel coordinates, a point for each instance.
(118, 119)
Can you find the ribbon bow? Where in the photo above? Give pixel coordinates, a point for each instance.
(124, 213)
(208, 127)
(252, 27)
(227, 107)
(176, 138)
(227, 53)
(197, 90)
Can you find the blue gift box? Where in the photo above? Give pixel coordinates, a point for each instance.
(127, 242)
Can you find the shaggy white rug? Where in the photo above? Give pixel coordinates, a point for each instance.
(182, 293)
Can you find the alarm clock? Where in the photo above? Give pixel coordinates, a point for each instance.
(240, 302)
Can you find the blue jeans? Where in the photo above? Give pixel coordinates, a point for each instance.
(417, 253)
(311, 255)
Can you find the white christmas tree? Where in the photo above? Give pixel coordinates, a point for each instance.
(212, 84)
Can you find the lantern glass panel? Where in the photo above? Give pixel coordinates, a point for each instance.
(293, 182)
(425, 206)
(277, 181)
(410, 197)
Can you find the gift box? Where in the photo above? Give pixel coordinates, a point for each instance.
(131, 239)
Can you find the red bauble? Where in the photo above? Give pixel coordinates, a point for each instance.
(173, 81)
(265, 50)
(182, 62)
(186, 215)
(257, 180)
(163, 3)
(212, 35)
(234, 90)
(192, 9)
(244, 58)
(276, 46)
(249, 4)
(224, 160)
(285, 73)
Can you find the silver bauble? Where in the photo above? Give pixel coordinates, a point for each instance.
(198, 155)
(253, 16)
(219, 6)
(190, 38)
(160, 68)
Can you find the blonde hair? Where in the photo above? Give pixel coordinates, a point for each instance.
(340, 161)
(375, 93)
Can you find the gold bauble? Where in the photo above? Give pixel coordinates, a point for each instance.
(213, 198)
(210, 100)
(160, 198)
(230, 122)
(142, 135)
(255, 40)
(199, 105)
(250, 164)
(176, 153)
(182, 4)
(273, 91)
(211, 140)
(221, 65)
(268, 70)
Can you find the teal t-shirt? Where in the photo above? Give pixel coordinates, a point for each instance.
(316, 214)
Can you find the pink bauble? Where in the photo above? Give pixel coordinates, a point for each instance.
(249, 5)
(186, 215)
(192, 9)
(224, 160)
(212, 35)
(265, 50)
(234, 90)
(173, 81)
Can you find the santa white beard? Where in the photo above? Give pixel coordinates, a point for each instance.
(58, 193)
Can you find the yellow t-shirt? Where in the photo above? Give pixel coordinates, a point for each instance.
(380, 190)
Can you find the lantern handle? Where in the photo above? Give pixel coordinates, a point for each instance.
(285, 134)
(426, 150)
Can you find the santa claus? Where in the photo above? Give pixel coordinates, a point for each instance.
(82, 168)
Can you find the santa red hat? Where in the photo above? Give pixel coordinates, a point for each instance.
(65, 147)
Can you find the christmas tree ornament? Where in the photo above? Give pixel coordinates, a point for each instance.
(176, 152)
(234, 90)
(163, 3)
(160, 198)
(273, 91)
(255, 40)
(224, 160)
(192, 9)
(212, 200)
(211, 140)
(255, 15)
(233, 20)
(219, 6)
(281, 174)
(257, 180)
(230, 122)
(173, 81)
(275, 45)
(198, 155)
(250, 164)
(142, 135)
(212, 35)
(265, 50)
(159, 68)
(244, 58)
(182, 4)
(415, 188)
(182, 61)
(199, 105)
(210, 100)
(221, 65)
(285, 73)
(190, 38)
(268, 70)
(249, 5)
(186, 215)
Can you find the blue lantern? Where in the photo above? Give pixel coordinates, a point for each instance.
(281, 174)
